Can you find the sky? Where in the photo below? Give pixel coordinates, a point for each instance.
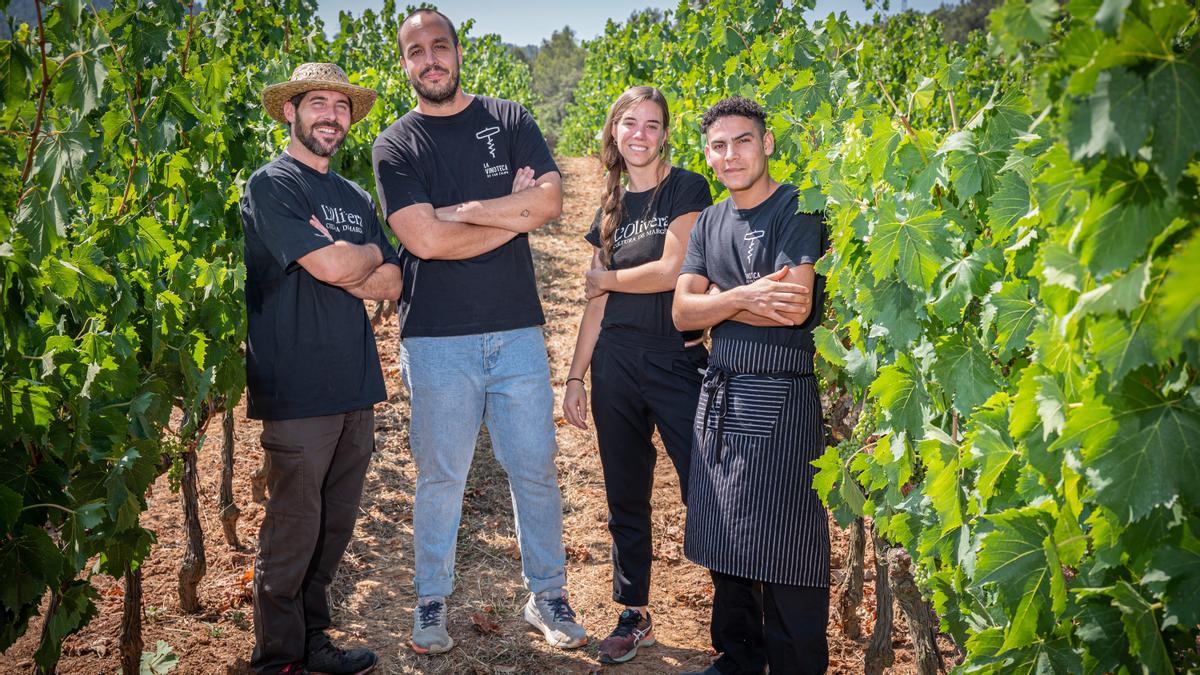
(528, 22)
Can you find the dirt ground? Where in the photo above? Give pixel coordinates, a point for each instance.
(372, 594)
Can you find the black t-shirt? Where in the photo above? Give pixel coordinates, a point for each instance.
(471, 155)
(639, 239)
(310, 349)
(732, 247)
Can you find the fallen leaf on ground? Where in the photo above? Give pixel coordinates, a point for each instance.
(485, 624)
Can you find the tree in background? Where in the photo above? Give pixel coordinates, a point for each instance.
(958, 20)
(557, 67)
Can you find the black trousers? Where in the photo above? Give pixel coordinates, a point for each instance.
(315, 472)
(638, 385)
(755, 624)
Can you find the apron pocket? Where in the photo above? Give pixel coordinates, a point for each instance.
(754, 405)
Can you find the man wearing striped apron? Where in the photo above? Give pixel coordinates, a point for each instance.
(754, 519)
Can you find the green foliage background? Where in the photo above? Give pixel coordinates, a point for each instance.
(121, 274)
(1012, 295)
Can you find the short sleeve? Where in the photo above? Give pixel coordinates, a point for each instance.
(380, 238)
(530, 146)
(593, 233)
(397, 181)
(280, 211)
(692, 194)
(694, 261)
(802, 240)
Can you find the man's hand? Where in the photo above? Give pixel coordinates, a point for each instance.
(523, 180)
(774, 299)
(312, 220)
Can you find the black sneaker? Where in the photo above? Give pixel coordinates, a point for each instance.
(329, 659)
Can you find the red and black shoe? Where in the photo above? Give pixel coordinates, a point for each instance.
(328, 659)
(633, 630)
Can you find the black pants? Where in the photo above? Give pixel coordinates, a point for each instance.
(638, 385)
(755, 624)
(316, 467)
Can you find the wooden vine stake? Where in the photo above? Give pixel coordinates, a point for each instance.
(131, 622)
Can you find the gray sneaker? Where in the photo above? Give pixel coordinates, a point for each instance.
(550, 613)
(429, 635)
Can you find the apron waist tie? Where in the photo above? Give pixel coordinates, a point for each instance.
(716, 384)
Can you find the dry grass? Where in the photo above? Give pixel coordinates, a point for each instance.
(372, 594)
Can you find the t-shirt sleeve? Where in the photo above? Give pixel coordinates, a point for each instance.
(396, 178)
(380, 238)
(593, 233)
(281, 213)
(530, 146)
(802, 241)
(694, 261)
(693, 194)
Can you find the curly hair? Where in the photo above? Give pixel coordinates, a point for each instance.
(735, 105)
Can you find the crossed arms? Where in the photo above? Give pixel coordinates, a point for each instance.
(782, 298)
(473, 228)
(357, 269)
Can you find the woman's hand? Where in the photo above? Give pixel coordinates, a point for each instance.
(575, 404)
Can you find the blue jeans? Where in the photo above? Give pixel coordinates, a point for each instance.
(503, 380)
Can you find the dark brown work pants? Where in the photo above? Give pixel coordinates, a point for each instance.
(316, 467)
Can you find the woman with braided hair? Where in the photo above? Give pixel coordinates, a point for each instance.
(645, 373)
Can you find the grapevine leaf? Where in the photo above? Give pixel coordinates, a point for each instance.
(1147, 461)
(1141, 627)
(1174, 89)
(902, 397)
(991, 452)
(1017, 21)
(1110, 15)
(911, 244)
(1009, 204)
(1115, 231)
(1012, 311)
(81, 80)
(1122, 345)
(27, 562)
(1013, 559)
(1101, 631)
(962, 280)
(1124, 294)
(10, 508)
(64, 155)
(1114, 120)
(1174, 575)
(829, 346)
(964, 370)
(1179, 303)
(42, 220)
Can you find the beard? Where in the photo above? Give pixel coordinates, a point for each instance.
(317, 146)
(436, 94)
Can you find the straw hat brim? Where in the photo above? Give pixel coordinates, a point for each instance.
(274, 96)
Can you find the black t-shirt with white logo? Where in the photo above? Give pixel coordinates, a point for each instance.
(639, 239)
(310, 349)
(731, 247)
(441, 161)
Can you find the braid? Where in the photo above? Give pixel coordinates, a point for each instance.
(610, 204)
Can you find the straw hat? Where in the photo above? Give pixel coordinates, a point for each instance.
(310, 76)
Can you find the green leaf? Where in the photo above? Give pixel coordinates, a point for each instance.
(1115, 230)
(1013, 312)
(66, 154)
(1122, 345)
(1141, 627)
(1122, 295)
(1174, 576)
(42, 220)
(1174, 89)
(1009, 204)
(965, 372)
(28, 562)
(965, 279)
(991, 453)
(1012, 558)
(1143, 455)
(829, 346)
(1099, 626)
(1114, 120)
(901, 397)
(1178, 302)
(1017, 21)
(81, 80)
(10, 508)
(911, 245)
(1110, 15)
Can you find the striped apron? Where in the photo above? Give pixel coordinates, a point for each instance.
(752, 510)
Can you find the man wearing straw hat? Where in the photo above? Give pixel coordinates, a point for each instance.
(314, 251)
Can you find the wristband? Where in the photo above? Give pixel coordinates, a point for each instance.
(580, 379)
